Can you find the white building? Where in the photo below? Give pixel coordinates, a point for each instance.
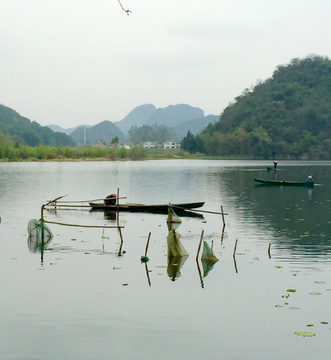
(148, 145)
(171, 145)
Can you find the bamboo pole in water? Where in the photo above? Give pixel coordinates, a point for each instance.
(223, 218)
(201, 236)
(235, 248)
(269, 250)
(87, 226)
(149, 236)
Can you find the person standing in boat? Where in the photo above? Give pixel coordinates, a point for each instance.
(110, 200)
(309, 179)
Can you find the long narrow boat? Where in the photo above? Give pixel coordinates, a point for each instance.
(155, 208)
(284, 183)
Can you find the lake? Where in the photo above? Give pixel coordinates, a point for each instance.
(87, 296)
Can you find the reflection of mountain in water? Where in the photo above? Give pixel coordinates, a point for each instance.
(301, 214)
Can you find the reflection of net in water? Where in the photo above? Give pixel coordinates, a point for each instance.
(39, 235)
(175, 247)
(208, 259)
(177, 255)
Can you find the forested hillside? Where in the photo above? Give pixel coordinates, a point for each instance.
(104, 132)
(286, 116)
(26, 132)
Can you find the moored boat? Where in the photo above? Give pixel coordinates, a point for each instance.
(153, 208)
(284, 182)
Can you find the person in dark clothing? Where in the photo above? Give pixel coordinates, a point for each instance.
(110, 200)
(275, 164)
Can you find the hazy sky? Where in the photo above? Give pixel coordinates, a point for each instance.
(71, 62)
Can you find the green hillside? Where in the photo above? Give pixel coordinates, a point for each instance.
(26, 132)
(104, 132)
(286, 116)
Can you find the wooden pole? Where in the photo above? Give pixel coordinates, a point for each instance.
(120, 231)
(201, 236)
(235, 248)
(42, 212)
(223, 217)
(149, 236)
(117, 198)
(86, 226)
(269, 250)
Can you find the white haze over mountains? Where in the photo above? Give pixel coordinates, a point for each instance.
(72, 62)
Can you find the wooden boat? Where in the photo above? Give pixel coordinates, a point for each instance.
(155, 208)
(284, 183)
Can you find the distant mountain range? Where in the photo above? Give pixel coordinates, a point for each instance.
(104, 132)
(181, 117)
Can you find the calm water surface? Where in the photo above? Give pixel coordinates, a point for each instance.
(84, 301)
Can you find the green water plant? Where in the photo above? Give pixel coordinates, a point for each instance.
(304, 333)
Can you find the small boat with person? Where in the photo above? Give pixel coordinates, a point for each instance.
(153, 208)
(306, 183)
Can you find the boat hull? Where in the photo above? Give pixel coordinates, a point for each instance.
(284, 183)
(157, 208)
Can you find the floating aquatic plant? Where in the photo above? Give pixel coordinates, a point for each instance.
(305, 234)
(144, 259)
(278, 266)
(116, 268)
(319, 282)
(304, 333)
(315, 293)
(310, 325)
(324, 322)
(291, 290)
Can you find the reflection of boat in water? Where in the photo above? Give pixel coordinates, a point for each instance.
(110, 214)
(177, 255)
(154, 208)
(284, 183)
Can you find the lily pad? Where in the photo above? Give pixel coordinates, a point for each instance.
(324, 322)
(304, 333)
(116, 268)
(278, 267)
(291, 290)
(310, 325)
(319, 282)
(315, 293)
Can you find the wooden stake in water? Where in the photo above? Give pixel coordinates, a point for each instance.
(269, 251)
(199, 244)
(235, 248)
(223, 218)
(149, 236)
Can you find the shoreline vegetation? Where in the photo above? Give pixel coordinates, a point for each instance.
(43, 153)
